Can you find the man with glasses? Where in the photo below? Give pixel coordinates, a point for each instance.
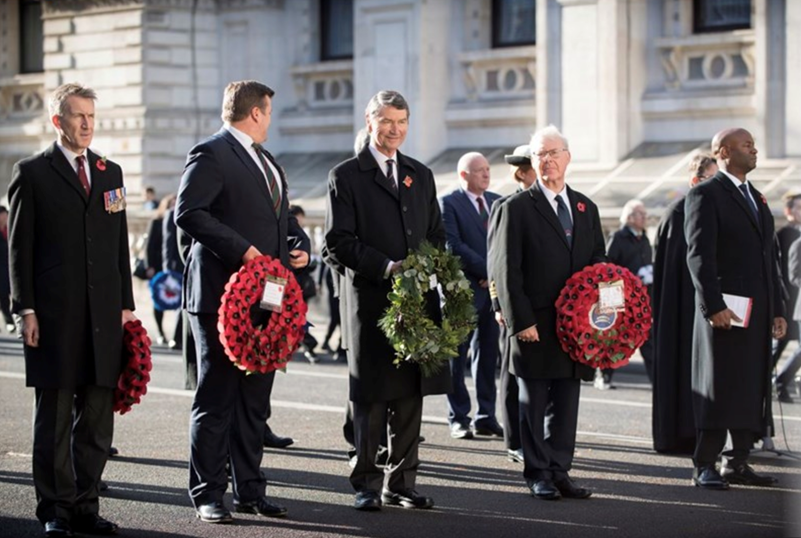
(541, 237)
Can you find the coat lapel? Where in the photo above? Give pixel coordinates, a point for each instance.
(99, 183)
(247, 161)
(740, 200)
(59, 162)
(467, 206)
(544, 207)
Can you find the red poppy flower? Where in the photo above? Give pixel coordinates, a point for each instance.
(581, 207)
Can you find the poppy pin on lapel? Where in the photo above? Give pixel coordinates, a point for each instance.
(407, 181)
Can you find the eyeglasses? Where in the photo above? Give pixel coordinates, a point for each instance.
(553, 153)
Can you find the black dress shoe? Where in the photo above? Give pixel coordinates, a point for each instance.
(545, 489)
(490, 428)
(407, 498)
(261, 507)
(102, 485)
(273, 441)
(569, 490)
(58, 527)
(709, 478)
(744, 475)
(113, 452)
(93, 524)
(214, 513)
(515, 456)
(461, 431)
(367, 501)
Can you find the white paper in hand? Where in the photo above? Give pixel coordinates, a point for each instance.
(741, 306)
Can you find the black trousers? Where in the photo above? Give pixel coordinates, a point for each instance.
(510, 412)
(5, 307)
(403, 418)
(548, 419)
(710, 443)
(188, 353)
(227, 422)
(72, 431)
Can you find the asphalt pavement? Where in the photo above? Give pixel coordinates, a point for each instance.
(636, 492)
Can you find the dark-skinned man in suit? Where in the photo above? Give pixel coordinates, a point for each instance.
(540, 238)
(465, 214)
(381, 204)
(233, 203)
(731, 250)
(71, 284)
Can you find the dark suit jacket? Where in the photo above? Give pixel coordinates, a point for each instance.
(170, 251)
(225, 206)
(728, 251)
(153, 257)
(367, 226)
(467, 238)
(69, 263)
(530, 261)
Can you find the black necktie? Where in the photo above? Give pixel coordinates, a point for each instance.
(564, 219)
(391, 175)
(751, 204)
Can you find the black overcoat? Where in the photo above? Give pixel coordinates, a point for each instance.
(70, 264)
(530, 261)
(673, 306)
(367, 226)
(729, 251)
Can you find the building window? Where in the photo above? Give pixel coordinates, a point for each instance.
(721, 15)
(31, 37)
(513, 23)
(336, 21)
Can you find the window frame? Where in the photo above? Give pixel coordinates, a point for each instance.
(325, 12)
(697, 14)
(24, 67)
(497, 43)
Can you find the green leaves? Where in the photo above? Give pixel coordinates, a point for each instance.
(413, 335)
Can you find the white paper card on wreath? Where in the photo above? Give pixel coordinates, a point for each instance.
(432, 281)
(272, 298)
(611, 296)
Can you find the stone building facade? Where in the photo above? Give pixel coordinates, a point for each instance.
(636, 85)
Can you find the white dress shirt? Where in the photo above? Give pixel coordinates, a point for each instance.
(72, 158)
(737, 184)
(474, 200)
(382, 159)
(247, 143)
(551, 196)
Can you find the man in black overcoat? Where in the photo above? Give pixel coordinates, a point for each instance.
(381, 205)
(673, 425)
(540, 238)
(233, 203)
(71, 284)
(731, 250)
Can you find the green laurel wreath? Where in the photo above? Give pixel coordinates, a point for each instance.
(413, 335)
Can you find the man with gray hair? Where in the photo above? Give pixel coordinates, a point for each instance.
(541, 237)
(71, 285)
(629, 247)
(381, 204)
(465, 213)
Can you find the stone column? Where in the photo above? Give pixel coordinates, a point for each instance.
(792, 49)
(770, 50)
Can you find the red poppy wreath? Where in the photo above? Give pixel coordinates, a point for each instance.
(258, 340)
(603, 328)
(135, 375)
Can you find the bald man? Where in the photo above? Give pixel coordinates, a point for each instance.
(731, 250)
(465, 213)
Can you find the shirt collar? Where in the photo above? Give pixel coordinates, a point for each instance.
(735, 180)
(551, 196)
(242, 138)
(70, 155)
(634, 232)
(380, 158)
(473, 197)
